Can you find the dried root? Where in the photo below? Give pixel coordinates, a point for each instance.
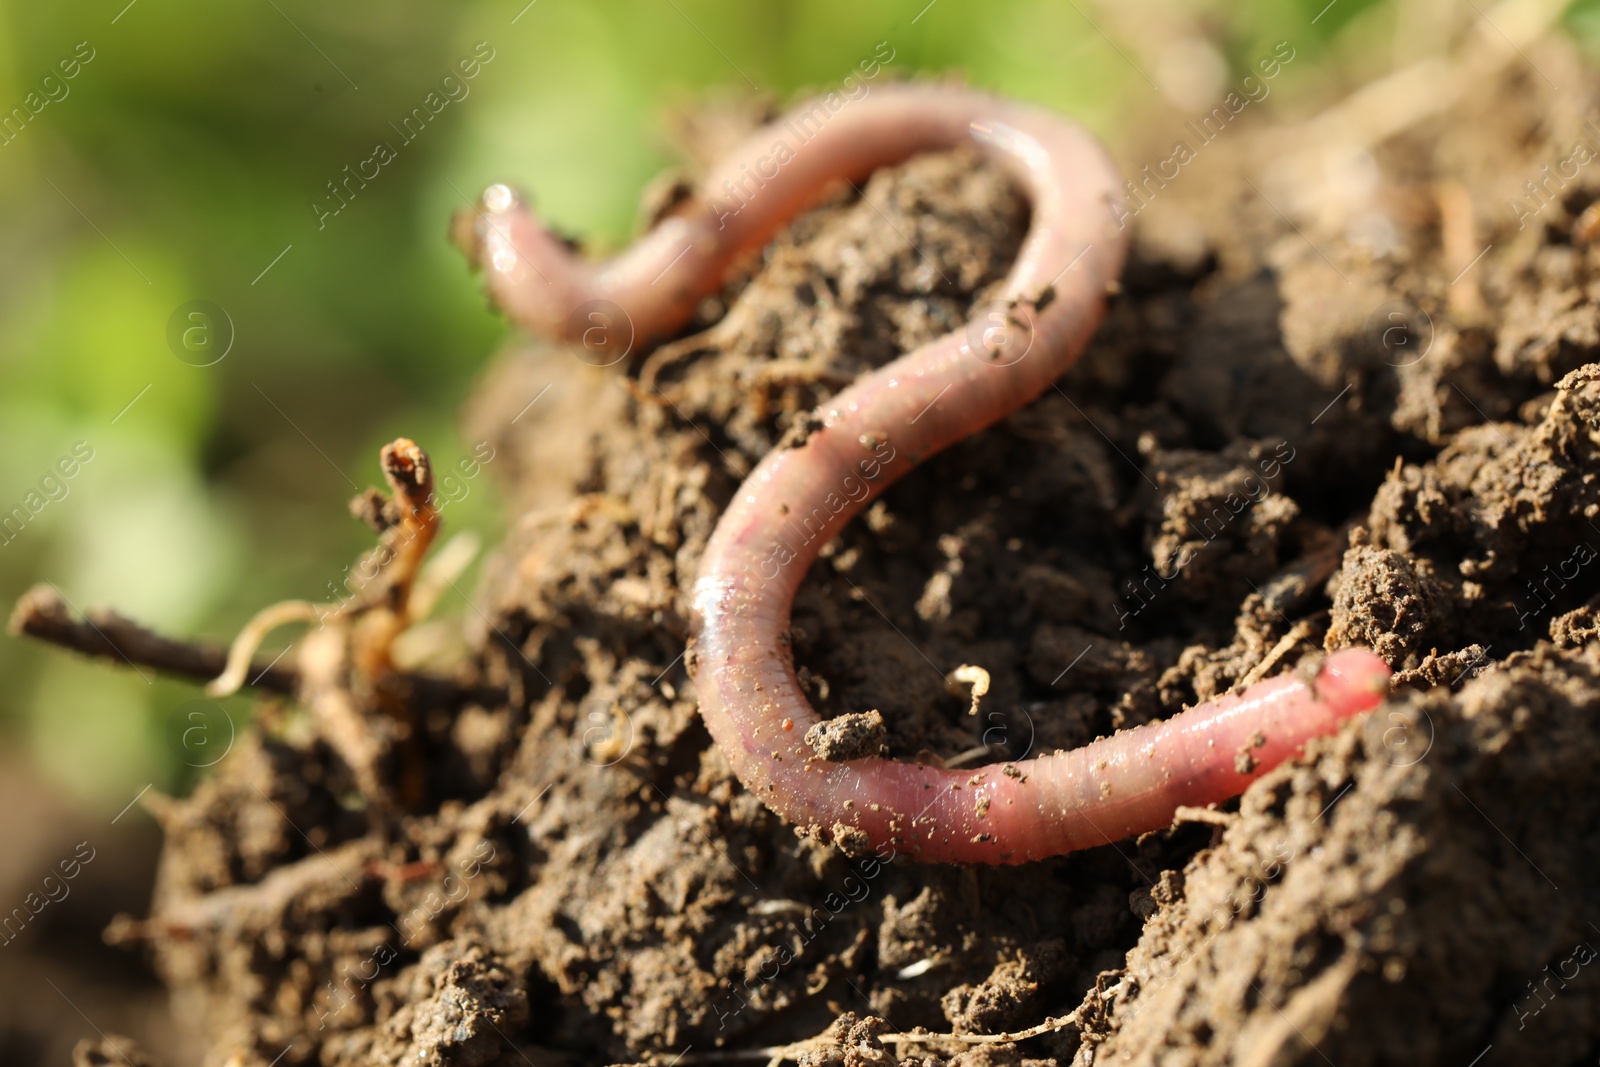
(345, 671)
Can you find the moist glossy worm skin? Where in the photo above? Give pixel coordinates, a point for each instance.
(872, 434)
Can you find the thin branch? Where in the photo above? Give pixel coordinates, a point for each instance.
(1046, 1027)
(42, 613)
(776, 1054)
(335, 875)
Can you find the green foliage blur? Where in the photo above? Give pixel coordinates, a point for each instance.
(185, 161)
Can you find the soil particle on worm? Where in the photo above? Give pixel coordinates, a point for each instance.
(852, 735)
(1238, 474)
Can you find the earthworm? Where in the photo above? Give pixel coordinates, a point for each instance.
(870, 435)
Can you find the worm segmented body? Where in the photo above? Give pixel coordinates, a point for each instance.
(870, 435)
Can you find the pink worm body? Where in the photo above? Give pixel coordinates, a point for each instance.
(872, 434)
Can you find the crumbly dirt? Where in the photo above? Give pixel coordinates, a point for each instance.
(1240, 473)
(853, 735)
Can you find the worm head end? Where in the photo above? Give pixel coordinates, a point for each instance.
(1353, 680)
(470, 227)
(531, 273)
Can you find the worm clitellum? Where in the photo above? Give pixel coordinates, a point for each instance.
(872, 434)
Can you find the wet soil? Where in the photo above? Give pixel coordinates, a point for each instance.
(1255, 461)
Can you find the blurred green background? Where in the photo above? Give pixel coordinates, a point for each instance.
(182, 161)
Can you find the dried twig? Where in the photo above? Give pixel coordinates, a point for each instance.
(776, 1054)
(334, 874)
(43, 613)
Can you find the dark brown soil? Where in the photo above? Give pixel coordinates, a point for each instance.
(1239, 473)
